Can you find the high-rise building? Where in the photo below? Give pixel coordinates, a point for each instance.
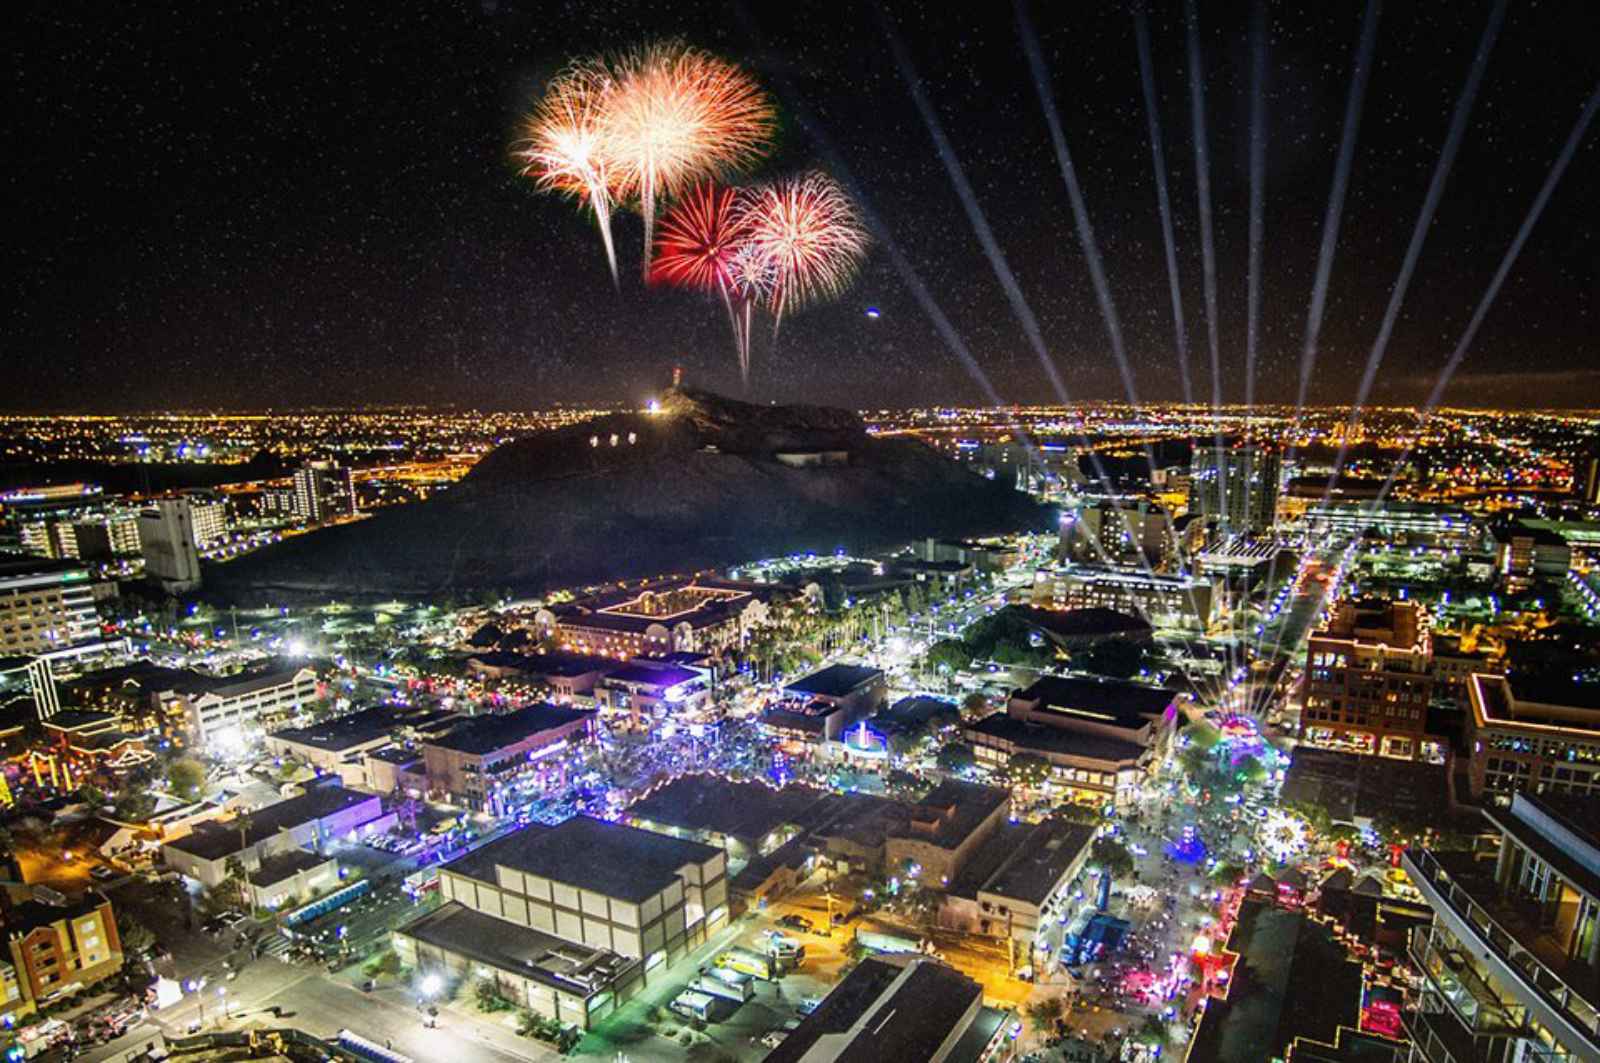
(1237, 485)
(323, 491)
(37, 519)
(1586, 476)
(208, 513)
(1120, 531)
(1368, 681)
(101, 538)
(1511, 962)
(45, 606)
(166, 532)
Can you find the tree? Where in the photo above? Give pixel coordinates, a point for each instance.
(949, 654)
(91, 795)
(136, 937)
(975, 705)
(236, 875)
(134, 804)
(487, 994)
(1227, 873)
(1044, 1012)
(956, 757)
(1027, 770)
(187, 778)
(1113, 856)
(1115, 658)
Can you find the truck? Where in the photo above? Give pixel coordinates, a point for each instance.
(876, 942)
(747, 962)
(785, 949)
(693, 1005)
(736, 991)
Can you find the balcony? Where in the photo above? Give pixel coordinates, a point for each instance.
(1473, 899)
(1480, 1007)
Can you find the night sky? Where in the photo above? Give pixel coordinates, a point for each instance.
(270, 203)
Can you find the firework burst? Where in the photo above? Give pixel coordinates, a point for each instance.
(675, 116)
(702, 244)
(807, 232)
(564, 148)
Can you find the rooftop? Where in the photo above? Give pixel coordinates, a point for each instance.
(619, 861)
(644, 672)
(519, 950)
(835, 681)
(30, 915)
(1034, 736)
(216, 841)
(485, 734)
(81, 719)
(1122, 704)
(345, 732)
(1291, 980)
(1042, 858)
(1085, 623)
(274, 869)
(884, 1012)
(744, 810)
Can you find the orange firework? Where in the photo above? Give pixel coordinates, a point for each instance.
(564, 149)
(677, 115)
(807, 231)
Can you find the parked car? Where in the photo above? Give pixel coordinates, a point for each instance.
(795, 922)
(103, 873)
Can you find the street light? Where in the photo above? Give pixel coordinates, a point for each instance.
(222, 995)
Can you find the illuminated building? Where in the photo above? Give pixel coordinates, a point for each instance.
(323, 491)
(1519, 742)
(45, 607)
(167, 537)
(323, 814)
(57, 949)
(1100, 737)
(34, 516)
(208, 517)
(1511, 963)
(644, 689)
(478, 762)
(699, 616)
(1524, 553)
(1164, 601)
(574, 920)
(1018, 873)
(1121, 531)
(1400, 523)
(1368, 681)
(820, 707)
(1238, 485)
(219, 710)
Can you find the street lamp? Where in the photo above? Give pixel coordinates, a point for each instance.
(222, 995)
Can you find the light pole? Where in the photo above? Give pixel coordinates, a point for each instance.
(222, 995)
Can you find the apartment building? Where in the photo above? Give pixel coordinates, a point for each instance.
(57, 949)
(1368, 681)
(1511, 963)
(45, 606)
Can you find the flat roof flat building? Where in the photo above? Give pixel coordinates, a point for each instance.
(573, 919)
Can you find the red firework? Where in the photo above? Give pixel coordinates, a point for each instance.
(697, 240)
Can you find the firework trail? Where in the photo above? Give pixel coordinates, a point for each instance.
(563, 149)
(808, 233)
(702, 244)
(675, 116)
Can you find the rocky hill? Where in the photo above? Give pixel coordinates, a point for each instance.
(705, 482)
